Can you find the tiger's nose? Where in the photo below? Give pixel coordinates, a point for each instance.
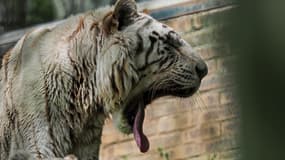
(201, 69)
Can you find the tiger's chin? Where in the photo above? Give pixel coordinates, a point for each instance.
(130, 118)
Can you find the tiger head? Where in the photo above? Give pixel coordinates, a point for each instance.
(142, 60)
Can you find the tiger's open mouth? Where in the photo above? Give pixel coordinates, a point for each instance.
(134, 113)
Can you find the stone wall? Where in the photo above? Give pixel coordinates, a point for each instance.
(202, 127)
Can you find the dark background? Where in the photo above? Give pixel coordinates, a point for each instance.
(258, 38)
(16, 14)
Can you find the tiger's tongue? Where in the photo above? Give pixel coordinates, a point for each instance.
(140, 138)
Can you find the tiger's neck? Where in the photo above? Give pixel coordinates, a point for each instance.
(85, 44)
(92, 51)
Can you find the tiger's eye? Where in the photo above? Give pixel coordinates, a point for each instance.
(166, 48)
(162, 52)
(155, 33)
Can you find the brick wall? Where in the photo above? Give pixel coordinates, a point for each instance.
(202, 127)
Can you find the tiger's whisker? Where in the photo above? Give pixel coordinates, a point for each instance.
(196, 102)
(202, 100)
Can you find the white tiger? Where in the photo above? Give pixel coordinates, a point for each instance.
(59, 84)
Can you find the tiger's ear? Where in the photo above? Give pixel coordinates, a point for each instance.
(124, 13)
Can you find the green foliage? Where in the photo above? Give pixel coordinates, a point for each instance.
(39, 11)
(213, 157)
(166, 155)
(163, 153)
(125, 157)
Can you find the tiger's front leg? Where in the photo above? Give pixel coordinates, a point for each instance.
(26, 156)
(88, 152)
(36, 138)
